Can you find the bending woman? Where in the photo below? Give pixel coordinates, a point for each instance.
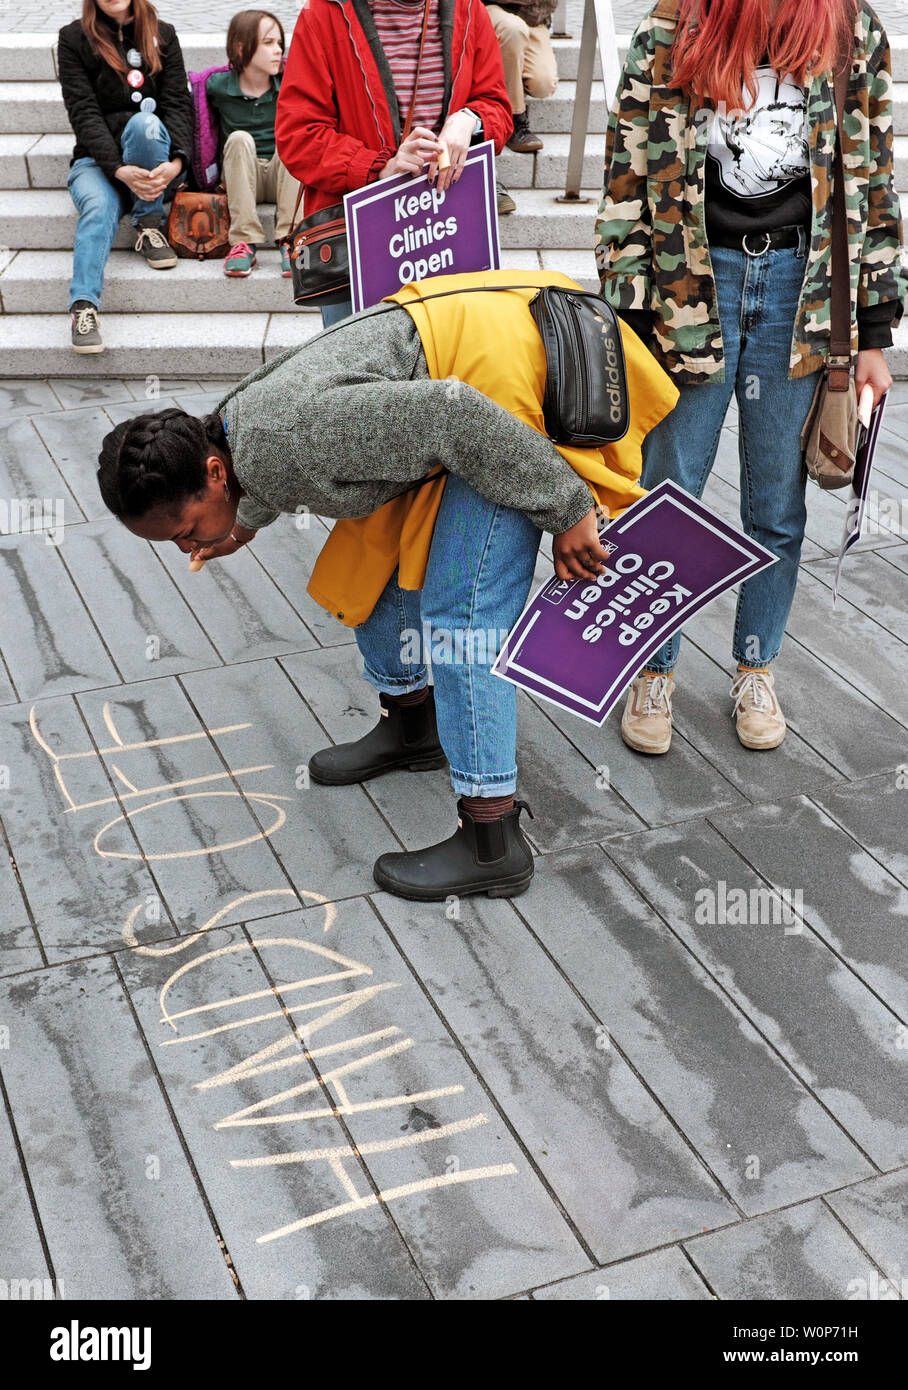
(714, 243)
(422, 427)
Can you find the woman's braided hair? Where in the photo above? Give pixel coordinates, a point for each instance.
(157, 461)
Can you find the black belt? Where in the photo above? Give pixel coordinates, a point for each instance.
(755, 243)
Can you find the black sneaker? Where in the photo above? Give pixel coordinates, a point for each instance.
(153, 244)
(523, 140)
(505, 201)
(86, 334)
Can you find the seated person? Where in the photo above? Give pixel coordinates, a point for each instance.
(530, 68)
(124, 89)
(244, 100)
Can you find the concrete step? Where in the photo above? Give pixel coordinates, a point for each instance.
(37, 282)
(38, 106)
(32, 57)
(42, 162)
(193, 346)
(36, 219)
(179, 345)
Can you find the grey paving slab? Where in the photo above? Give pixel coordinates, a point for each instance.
(873, 811)
(21, 1253)
(623, 1174)
(76, 391)
(836, 1035)
(121, 1211)
(127, 409)
(47, 638)
(73, 440)
(393, 1110)
(702, 712)
(685, 1038)
(486, 1230)
(27, 471)
(240, 610)
(147, 625)
(204, 1011)
(891, 457)
(333, 835)
(184, 807)
(854, 904)
(801, 1253)
(289, 552)
(58, 799)
(563, 787)
(419, 806)
(660, 1276)
(876, 1214)
(25, 398)
(828, 727)
(149, 390)
(659, 790)
(876, 588)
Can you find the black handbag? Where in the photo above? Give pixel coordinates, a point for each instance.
(585, 402)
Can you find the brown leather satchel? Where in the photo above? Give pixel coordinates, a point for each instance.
(199, 225)
(830, 433)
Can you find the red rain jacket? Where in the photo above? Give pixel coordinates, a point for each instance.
(338, 122)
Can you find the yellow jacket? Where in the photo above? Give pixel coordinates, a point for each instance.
(491, 343)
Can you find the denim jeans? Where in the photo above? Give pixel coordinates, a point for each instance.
(478, 577)
(757, 298)
(333, 313)
(146, 143)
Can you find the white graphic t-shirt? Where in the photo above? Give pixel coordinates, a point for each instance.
(758, 160)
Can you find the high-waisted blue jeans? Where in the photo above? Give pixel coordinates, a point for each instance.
(478, 577)
(758, 296)
(100, 203)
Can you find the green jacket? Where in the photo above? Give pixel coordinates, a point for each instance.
(651, 245)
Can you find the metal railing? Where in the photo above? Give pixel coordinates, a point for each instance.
(598, 31)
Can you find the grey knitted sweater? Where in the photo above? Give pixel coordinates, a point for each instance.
(351, 419)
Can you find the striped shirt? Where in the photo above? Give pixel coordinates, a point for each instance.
(399, 25)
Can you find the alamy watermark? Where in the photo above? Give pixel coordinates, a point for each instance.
(750, 907)
(22, 515)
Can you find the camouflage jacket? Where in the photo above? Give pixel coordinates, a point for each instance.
(651, 245)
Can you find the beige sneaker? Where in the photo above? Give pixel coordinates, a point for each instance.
(758, 719)
(646, 724)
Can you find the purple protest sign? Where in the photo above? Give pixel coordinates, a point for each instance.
(863, 467)
(579, 642)
(399, 229)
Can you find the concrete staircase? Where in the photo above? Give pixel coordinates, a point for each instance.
(193, 322)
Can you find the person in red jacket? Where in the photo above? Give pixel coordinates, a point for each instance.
(348, 85)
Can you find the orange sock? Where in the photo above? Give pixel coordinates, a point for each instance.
(752, 668)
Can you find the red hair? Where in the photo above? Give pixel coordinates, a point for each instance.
(145, 20)
(719, 43)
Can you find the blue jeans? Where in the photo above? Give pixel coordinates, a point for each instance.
(478, 577)
(757, 298)
(146, 143)
(333, 313)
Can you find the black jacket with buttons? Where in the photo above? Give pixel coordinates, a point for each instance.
(99, 100)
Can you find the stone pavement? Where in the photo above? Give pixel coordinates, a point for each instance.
(231, 1068)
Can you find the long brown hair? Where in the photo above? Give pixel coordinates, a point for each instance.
(720, 43)
(145, 22)
(243, 36)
